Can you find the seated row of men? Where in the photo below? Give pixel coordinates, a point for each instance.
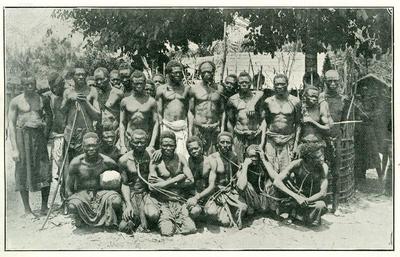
(167, 192)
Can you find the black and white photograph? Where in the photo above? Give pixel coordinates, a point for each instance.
(198, 128)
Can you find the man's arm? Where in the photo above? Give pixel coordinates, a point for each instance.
(208, 168)
(323, 189)
(122, 128)
(12, 117)
(67, 101)
(155, 127)
(230, 114)
(73, 170)
(48, 115)
(191, 111)
(92, 110)
(278, 182)
(125, 189)
(242, 174)
(159, 100)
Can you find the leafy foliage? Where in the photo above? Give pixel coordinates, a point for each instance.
(147, 32)
(364, 29)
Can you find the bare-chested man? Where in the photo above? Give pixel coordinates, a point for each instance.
(244, 109)
(316, 120)
(108, 143)
(169, 177)
(207, 106)
(255, 181)
(225, 199)
(150, 88)
(121, 88)
(338, 106)
(204, 176)
(29, 144)
(173, 105)
(81, 101)
(282, 114)
(305, 181)
(134, 167)
(56, 139)
(92, 194)
(138, 111)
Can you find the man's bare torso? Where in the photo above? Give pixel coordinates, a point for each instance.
(208, 103)
(282, 114)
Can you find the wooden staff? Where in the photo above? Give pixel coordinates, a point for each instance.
(251, 64)
(224, 53)
(259, 78)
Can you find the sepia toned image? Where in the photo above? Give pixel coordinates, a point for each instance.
(198, 128)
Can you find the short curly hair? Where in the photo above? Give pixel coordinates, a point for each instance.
(307, 150)
(171, 64)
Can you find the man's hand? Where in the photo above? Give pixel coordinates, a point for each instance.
(156, 157)
(308, 119)
(302, 201)
(72, 96)
(81, 97)
(192, 201)
(154, 180)
(247, 162)
(123, 150)
(251, 111)
(150, 149)
(261, 153)
(15, 155)
(128, 213)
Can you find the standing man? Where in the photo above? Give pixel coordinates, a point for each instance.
(92, 194)
(28, 138)
(305, 181)
(245, 111)
(118, 92)
(138, 111)
(80, 99)
(168, 179)
(316, 120)
(230, 85)
(108, 143)
(103, 86)
(338, 106)
(225, 199)
(139, 208)
(158, 80)
(207, 108)
(173, 105)
(282, 115)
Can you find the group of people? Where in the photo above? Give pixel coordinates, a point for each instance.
(139, 154)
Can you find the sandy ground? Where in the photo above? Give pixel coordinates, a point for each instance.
(366, 222)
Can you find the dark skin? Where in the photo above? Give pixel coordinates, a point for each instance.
(165, 173)
(138, 145)
(309, 164)
(253, 158)
(29, 101)
(83, 175)
(208, 170)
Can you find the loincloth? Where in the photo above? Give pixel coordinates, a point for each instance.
(208, 133)
(95, 208)
(32, 171)
(278, 149)
(177, 214)
(243, 138)
(180, 129)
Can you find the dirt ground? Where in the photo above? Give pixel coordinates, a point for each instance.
(365, 222)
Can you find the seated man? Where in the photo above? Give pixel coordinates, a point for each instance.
(226, 199)
(167, 179)
(305, 181)
(134, 166)
(91, 186)
(255, 181)
(204, 176)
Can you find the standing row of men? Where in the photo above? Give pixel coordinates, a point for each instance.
(224, 150)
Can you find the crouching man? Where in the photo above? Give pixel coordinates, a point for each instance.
(134, 166)
(92, 182)
(225, 206)
(255, 181)
(305, 181)
(168, 179)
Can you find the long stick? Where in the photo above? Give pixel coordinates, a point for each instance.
(251, 64)
(61, 171)
(224, 53)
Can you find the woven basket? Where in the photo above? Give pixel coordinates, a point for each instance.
(346, 173)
